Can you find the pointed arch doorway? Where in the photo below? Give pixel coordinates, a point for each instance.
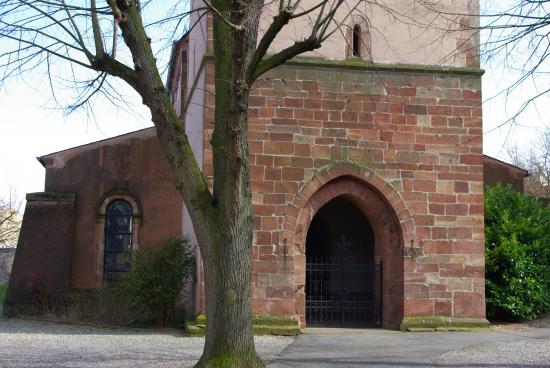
(343, 281)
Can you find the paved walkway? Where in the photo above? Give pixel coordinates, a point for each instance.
(381, 348)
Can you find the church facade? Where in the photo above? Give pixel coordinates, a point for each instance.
(367, 176)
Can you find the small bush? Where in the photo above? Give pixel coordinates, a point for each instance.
(517, 254)
(152, 286)
(3, 289)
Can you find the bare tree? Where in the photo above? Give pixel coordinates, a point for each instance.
(10, 220)
(535, 159)
(76, 43)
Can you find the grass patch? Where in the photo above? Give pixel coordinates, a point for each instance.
(3, 288)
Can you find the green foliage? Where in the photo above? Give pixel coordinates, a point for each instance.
(156, 277)
(517, 254)
(3, 289)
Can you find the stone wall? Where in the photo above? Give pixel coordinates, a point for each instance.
(6, 263)
(41, 268)
(411, 135)
(132, 167)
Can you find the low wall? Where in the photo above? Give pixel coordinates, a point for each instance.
(6, 263)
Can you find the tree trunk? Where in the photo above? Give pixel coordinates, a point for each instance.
(222, 219)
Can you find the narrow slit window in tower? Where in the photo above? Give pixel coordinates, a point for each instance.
(356, 40)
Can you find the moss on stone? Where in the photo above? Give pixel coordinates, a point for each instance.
(262, 325)
(360, 64)
(421, 324)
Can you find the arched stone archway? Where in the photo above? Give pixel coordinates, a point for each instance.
(386, 212)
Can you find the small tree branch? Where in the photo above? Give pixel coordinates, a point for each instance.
(309, 44)
(98, 39)
(214, 10)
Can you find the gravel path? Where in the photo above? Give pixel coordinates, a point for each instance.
(32, 344)
(523, 353)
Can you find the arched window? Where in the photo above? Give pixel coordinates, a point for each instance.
(118, 237)
(356, 40)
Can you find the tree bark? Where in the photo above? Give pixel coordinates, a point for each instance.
(222, 219)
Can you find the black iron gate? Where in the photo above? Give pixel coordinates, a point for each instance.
(340, 294)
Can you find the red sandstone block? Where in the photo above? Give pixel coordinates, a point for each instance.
(439, 233)
(443, 308)
(354, 106)
(256, 101)
(268, 223)
(415, 109)
(264, 267)
(325, 141)
(461, 187)
(469, 304)
(412, 277)
(476, 209)
(439, 121)
(263, 238)
(333, 104)
(424, 185)
(382, 118)
(440, 110)
(311, 86)
(293, 174)
(441, 198)
(293, 102)
(427, 267)
(424, 220)
(438, 247)
(274, 198)
(469, 247)
(456, 209)
(460, 233)
(302, 162)
(471, 159)
(418, 308)
(349, 116)
(280, 137)
(312, 104)
(304, 114)
(335, 116)
(281, 307)
(462, 111)
(471, 94)
(278, 148)
(408, 91)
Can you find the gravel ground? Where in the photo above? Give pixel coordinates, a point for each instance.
(522, 353)
(32, 344)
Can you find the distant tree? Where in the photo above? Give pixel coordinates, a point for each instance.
(10, 220)
(515, 37)
(535, 159)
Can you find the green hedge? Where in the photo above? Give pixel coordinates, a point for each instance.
(517, 254)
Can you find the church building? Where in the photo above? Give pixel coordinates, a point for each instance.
(366, 166)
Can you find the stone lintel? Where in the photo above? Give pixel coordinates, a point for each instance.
(51, 197)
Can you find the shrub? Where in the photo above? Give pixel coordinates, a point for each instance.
(517, 254)
(3, 288)
(157, 274)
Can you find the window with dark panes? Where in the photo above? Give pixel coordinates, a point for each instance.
(118, 238)
(356, 40)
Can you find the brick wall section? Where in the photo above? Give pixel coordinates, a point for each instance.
(420, 132)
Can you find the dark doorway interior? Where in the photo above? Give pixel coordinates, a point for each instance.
(342, 281)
